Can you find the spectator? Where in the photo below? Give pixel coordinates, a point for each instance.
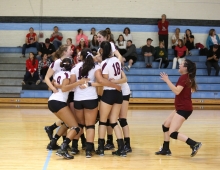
(189, 40)
(30, 41)
(148, 52)
(81, 45)
(175, 38)
(93, 32)
(94, 44)
(31, 69)
(212, 39)
(46, 48)
(121, 44)
(80, 36)
(212, 60)
(180, 53)
(163, 25)
(108, 30)
(109, 38)
(43, 66)
(127, 34)
(161, 53)
(69, 42)
(130, 56)
(56, 38)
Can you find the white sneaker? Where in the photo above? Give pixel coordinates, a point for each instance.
(38, 82)
(23, 83)
(126, 68)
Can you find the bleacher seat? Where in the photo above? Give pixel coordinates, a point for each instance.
(17, 50)
(35, 93)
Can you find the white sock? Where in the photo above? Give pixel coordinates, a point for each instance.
(129, 66)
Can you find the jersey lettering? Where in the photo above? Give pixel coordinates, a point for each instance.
(117, 69)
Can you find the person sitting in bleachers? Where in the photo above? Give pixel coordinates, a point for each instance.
(31, 40)
(148, 52)
(130, 56)
(93, 32)
(94, 44)
(189, 40)
(31, 70)
(180, 53)
(212, 39)
(80, 36)
(108, 30)
(121, 44)
(127, 34)
(74, 55)
(175, 38)
(212, 60)
(56, 38)
(43, 66)
(161, 55)
(46, 48)
(81, 45)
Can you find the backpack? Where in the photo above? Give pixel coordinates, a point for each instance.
(199, 46)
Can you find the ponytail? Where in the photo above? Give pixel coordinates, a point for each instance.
(106, 48)
(88, 62)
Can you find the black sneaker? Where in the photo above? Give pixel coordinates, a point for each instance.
(53, 145)
(120, 153)
(195, 148)
(74, 151)
(100, 152)
(63, 152)
(49, 132)
(163, 152)
(127, 149)
(88, 154)
(109, 146)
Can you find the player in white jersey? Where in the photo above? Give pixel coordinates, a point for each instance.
(86, 98)
(57, 104)
(111, 99)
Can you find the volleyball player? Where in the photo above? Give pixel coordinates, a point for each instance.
(111, 100)
(183, 107)
(57, 104)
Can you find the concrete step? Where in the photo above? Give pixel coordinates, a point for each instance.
(12, 74)
(14, 60)
(10, 82)
(9, 95)
(9, 66)
(10, 89)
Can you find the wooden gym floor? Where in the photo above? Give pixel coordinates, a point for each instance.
(23, 143)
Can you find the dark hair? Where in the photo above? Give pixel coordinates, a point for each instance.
(129, 41)
(70, 39)
(34, 59)
(211, 31)
(42, 55)
(182, 44)
(79, 30)
(91, 29)
(66, 63)
(106, 48)
(126, 28)
(191, 69)
(95, 43)
(55, 27)
(177, 29)
(31, 28)
(60, 50)
(88, 62)
(47, 40)
(81, 45)
(119, 36)
(103, 33)
(189, 31)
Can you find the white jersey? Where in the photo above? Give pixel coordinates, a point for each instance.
(55, 66)
(112, 67)
(59, 77)
(125, 89)
(88, 93)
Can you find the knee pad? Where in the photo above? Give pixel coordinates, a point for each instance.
(102, 123)
(174, 135)
(77, 129)
(113, 125)
(90, 127)
(81, 126)
(108, 122)
(123, 122)
(165, 129)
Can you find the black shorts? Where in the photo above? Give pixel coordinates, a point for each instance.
(184, 113)
(112, 97)
(70, 97)
(54, 105)
(126, 97)
(131, 58)
(86, 104)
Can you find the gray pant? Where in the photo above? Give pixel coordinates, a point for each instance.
(148, 60)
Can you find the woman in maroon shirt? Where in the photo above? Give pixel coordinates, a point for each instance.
(163, 30)
(183, 107)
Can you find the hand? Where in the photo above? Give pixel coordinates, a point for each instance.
(146, 54)
(83, 86)
(54, 90)
(118, 87)
(32, 74)
(84, 81)
(214, 56)
(40, 53)
(164, 77)
(112, 80)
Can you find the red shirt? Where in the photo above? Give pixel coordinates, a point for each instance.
(31, 37)
(163, 27)
(183, 100)
(180, 51)
(30, 67)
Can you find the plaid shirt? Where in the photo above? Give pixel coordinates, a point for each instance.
(42, 65)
